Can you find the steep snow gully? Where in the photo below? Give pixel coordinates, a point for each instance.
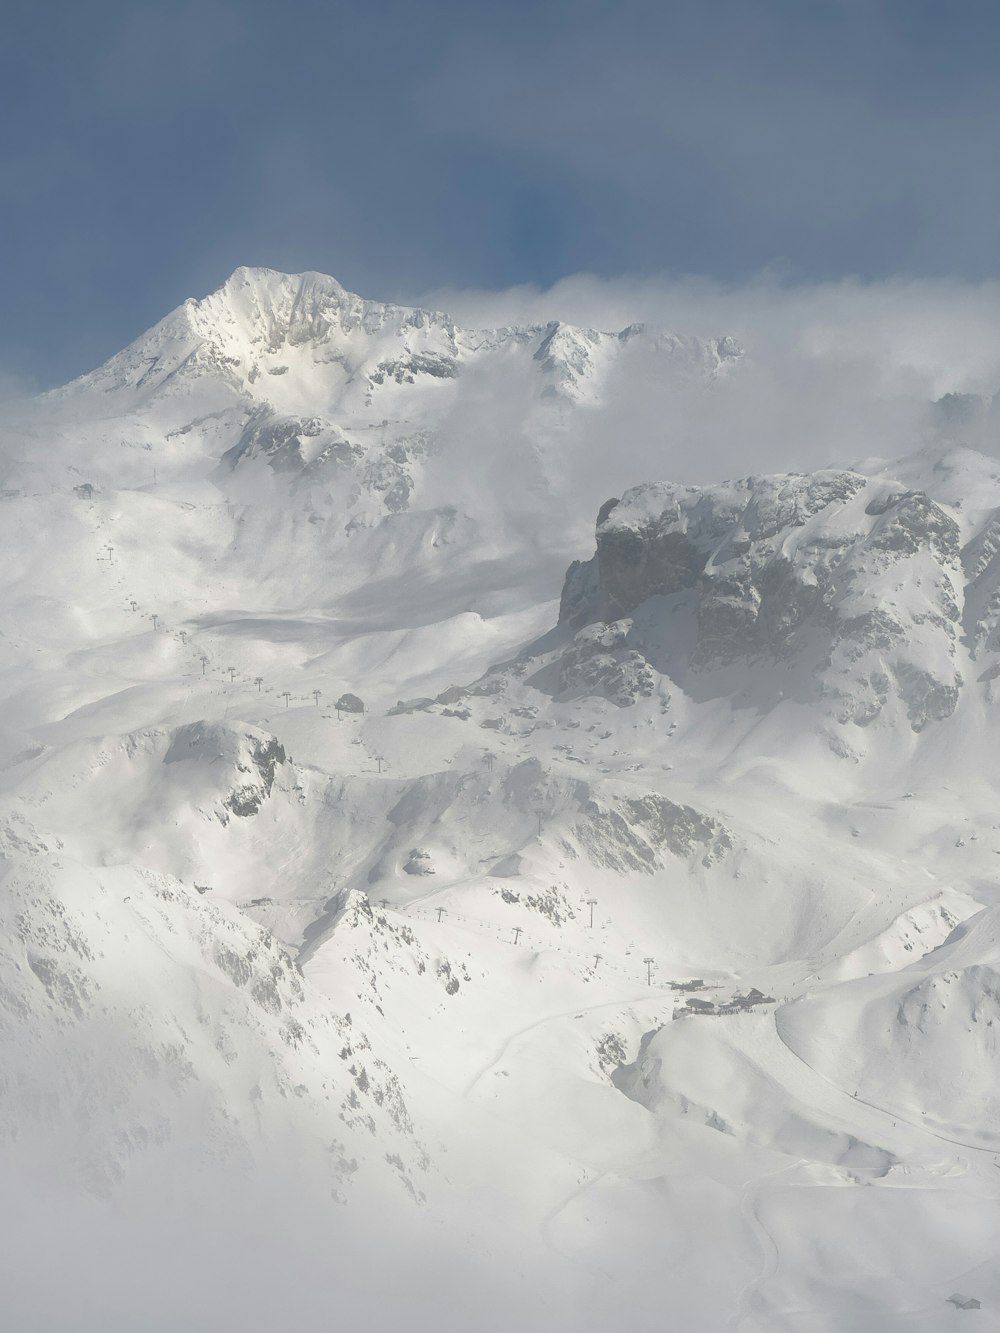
(388, 868)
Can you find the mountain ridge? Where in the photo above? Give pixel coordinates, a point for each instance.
(257, 311)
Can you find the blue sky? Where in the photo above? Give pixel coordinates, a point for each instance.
(147, 149)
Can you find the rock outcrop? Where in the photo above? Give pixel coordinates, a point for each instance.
(838, 586)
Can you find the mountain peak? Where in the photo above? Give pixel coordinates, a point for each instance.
(262, 304)
(249, 291)
(248, 275)
(300, 341)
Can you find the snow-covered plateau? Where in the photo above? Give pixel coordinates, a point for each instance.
(413, 916)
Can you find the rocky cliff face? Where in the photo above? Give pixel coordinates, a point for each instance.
(863, 591)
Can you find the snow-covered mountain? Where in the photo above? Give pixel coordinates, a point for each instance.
(639, 942)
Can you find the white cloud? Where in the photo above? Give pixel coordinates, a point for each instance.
(833, 371)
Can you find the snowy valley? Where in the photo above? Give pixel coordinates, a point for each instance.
(388, 867)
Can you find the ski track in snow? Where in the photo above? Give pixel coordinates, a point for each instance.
(615, 1006)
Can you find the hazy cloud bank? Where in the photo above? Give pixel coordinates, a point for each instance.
(832, 372)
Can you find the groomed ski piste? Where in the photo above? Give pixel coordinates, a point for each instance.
(397, 926)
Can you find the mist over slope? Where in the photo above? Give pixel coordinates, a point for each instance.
(376, 855)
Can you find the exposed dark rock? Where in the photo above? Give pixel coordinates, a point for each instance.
(601, 662)
(410, 706)
(266, 755)
(795, 575)
(278, 439)
(632, 834)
